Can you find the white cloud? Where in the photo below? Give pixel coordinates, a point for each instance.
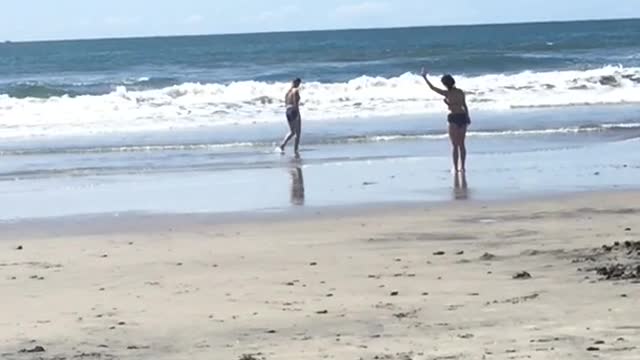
(363, 9)
(194, 19)
(275, 16)
(122, 20)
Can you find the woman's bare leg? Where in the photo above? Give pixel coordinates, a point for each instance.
(463, 148)
(297, 130)
(453, 136)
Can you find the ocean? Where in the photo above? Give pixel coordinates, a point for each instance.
(90, 126)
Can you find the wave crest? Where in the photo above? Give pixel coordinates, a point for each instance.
(38, 111)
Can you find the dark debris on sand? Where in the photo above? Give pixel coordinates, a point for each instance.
(487, 257)
(522, 276)
(619, 272)
(407, 314)
(620, 261)
(257, 356)
(398, 356)
(37, 349)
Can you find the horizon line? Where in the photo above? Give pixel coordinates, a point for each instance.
(267, 32)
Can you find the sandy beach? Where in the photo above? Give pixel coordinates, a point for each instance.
(146, 214)
(479, 280)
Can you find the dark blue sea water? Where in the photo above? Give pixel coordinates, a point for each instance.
(148, 84)
(121, 111)
(44, 69)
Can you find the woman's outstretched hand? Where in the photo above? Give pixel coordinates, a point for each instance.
(423, 72)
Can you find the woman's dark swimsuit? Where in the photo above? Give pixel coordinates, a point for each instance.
(292, 114)
(293, 117)
(461, 120)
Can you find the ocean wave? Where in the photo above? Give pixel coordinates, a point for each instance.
(233, 146)
(133, 107)
(504, 133)
(33, 90)
(70, 87)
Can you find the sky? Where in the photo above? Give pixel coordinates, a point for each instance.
(22, 20)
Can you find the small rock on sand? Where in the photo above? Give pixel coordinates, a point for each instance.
(19, 247)
(394, 293)
(593, 348)
(37, 349)
(322, 312)
(251, 357)
(438, 253)
(522, 276)
(487, 257)
(134, 347)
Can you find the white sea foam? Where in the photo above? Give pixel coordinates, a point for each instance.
(192, 105)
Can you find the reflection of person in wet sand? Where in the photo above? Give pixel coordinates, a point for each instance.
(458, 118)
(460, 188)
(297, 186)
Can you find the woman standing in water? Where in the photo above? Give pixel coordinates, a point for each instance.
(458, 118)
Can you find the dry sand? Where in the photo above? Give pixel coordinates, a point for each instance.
(391, 284)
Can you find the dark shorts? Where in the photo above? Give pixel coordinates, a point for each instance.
(461, 120)
(293, 114)
(293, 117)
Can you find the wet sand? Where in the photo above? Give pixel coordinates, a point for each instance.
(527, 279)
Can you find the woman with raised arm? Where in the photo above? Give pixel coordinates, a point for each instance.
(458, 118)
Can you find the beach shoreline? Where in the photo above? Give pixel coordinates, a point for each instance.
(147, 222)
(353, 175)
(391, 282)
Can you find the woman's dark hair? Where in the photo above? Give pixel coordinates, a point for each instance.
(297, 81)
(448, 81)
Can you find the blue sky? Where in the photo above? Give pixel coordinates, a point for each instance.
(64, 19)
